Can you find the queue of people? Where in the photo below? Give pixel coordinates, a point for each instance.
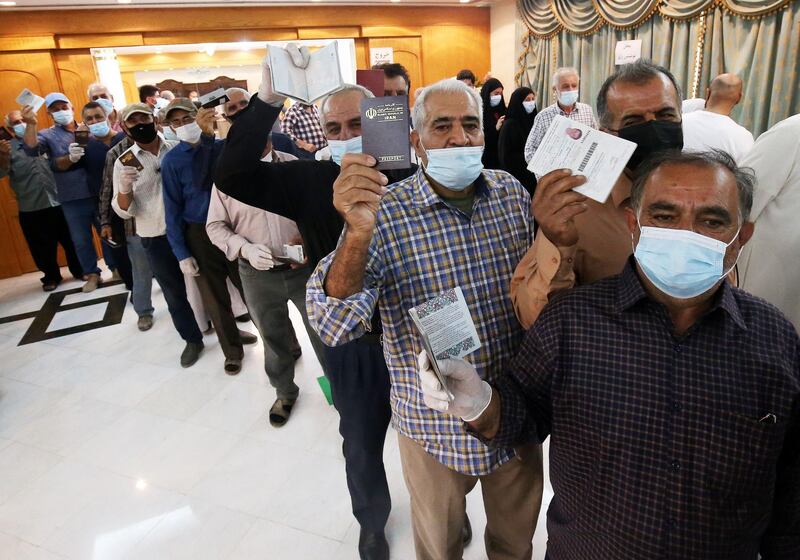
(671, 396)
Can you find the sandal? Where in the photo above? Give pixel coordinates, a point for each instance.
(280, 412)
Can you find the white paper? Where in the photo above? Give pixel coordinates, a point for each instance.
(27, 97)
(321, 77)
(447, 323)
(294, 252)
(600, 157)
(626, 52)
(381, 55)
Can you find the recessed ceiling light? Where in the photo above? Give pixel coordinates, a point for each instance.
(8, 3)
(124, 1)
(394, 1)
(464, 1)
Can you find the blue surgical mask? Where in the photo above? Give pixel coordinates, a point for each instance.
(100, 129)
(169, 134)
(19, 129)
(681, 263)
(495, 100)
(568, 98)
(529, 106)
(454, 168)
(106, 104)
(341, 147)
(64, 117)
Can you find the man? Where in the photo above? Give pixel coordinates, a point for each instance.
(452, 224)
(302, 192)
(186, 173)
(168, 95)
(194, 96)
(138, 195)
(40, 215)
(151, 96)
(580, 240)
(254, 237)
(302, 125)
(467, 76)
(566, 84)
(672, 398)
(99, 93)
(66, 160)
(395, 78)
(768, 267)
(238, 100)
(713, 128)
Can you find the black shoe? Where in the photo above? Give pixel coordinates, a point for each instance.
(243, 318)
(466, 532)
(49, 286)
(247, 337)
(191, 353)
(373, 545)
(233, 367)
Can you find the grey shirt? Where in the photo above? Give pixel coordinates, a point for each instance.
(31, 179)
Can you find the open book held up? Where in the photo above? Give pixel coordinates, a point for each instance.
(321, 77)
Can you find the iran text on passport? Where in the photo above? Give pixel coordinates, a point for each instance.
(385, 131)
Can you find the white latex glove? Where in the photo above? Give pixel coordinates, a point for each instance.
(75, 152)
(300, 58)
(471, 394)
(259, 256)
(127, 177)
(189, 266)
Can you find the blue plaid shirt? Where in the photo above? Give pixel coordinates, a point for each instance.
(421, 247)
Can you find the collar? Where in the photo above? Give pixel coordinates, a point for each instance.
(136, 149)
(630, 291)
(563, 112)
(424, 196)
(622, 190)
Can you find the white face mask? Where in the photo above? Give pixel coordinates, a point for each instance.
(529, 106)
(64, 117)
(568, 98)
(189, 132)
(495, 100)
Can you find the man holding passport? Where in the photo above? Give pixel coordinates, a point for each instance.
(450, 225)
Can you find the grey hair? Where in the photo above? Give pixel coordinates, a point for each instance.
(97, 84)
(639, 72)
(231, 90)
(745, 177)
(564, 71)
(323, 107)
(449, 85)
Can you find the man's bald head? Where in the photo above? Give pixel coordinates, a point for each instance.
(724, 92)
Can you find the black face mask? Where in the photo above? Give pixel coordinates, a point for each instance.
(651, 137)
(143, 133)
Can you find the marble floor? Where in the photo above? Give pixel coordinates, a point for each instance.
(109, 450)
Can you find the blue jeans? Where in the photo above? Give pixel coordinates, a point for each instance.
(81, 216)
(142, 276)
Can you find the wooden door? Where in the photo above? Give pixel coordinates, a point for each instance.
(408, 52)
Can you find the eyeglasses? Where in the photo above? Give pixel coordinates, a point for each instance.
(188, 119)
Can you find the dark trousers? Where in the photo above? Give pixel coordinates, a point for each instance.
(168, 273)
(360, 388)
(215, 269)
(44, 230)
(121, 259)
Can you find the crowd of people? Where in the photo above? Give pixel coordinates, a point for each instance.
(652, 337)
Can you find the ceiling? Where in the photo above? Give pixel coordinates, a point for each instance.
(88, 4)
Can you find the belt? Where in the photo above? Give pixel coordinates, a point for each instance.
(280, 268)
(370, 338)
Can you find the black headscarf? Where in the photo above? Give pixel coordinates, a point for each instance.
(516, 111)
(489, 111)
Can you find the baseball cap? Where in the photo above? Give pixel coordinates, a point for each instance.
(51, 98)
(182, 103)
(129, 110)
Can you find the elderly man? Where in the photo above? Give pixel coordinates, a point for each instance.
(302, 125)
(302, 192)
(580, 240)
(66, 157)
(713, 127)
(565, 84)
(452, 224)
(99, 93)
(186, 175)
(672, 398)
(395, 78)
(138, 194)
(768, 267)
(40, 215)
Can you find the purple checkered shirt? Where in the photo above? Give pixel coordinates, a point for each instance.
(301, 124)
(420, 248)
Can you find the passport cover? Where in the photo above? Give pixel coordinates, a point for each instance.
(372, 80)
(385, 131)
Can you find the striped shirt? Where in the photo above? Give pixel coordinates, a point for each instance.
(420, 248)
(582, 114)
(148, 201)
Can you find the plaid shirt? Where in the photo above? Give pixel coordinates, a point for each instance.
(662, 446)
(582, 114)
(107, 187)
(304, 125)
(420, 248)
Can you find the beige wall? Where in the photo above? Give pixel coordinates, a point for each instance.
(503, 16)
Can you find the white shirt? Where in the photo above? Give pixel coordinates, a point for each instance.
(148, 201)
(769, 266)
(704, 130)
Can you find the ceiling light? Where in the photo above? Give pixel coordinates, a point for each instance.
(124, 1)
(8, 3)
(464, 1)
(394, 1)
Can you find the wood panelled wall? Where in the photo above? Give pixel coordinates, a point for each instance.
(49, 51)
